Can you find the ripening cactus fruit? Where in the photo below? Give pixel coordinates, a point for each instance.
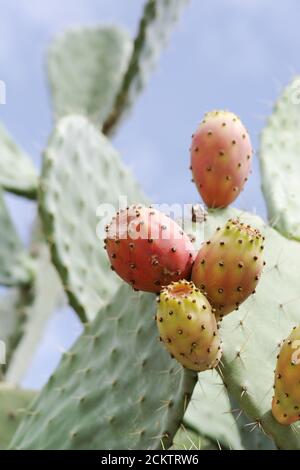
(188, 327)
(286, 401)
(221, 155)
(147, 249)
(228, 266)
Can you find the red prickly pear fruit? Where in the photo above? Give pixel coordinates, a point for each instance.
(228, 266)
(221, 155)
(147, 249)
(188, 327)
(286, 401)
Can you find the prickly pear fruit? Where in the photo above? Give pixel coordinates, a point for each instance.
(286, 402)
(148, 249)
(188, 327)
(228, 266)
(221, 155)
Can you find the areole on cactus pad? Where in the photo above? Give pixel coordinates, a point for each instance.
(221, 155)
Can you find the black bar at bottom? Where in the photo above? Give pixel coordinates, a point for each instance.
(134, 459)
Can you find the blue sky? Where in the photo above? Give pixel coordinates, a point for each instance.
(234, 54)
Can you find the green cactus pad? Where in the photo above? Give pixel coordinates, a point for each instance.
(17, 173)
(13, 317)
(81, 171)
(186, 439)
(32, 311)
(8, 313)
(209, 412)
(156, 24)
(280, 162)
(117, 388)
(13, 406)
(86, 67)
(251, 336)
(252, 437)
(213, 415)
(15, 266)
(25, 310)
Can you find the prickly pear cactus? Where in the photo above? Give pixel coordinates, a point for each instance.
(17, 173)
(115, 389)
(14, 403)
(252, 335)
(82, 170)
(280, 162)
(86, 67)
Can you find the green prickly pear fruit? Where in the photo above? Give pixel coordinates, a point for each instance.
(147, 249)
(221, 155)
(188, 327)
(228, 266)
(286, 400)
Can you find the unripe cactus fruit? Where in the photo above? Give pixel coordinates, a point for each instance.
(188, 327)
(286, 401)
(221, 155)
(147, 249)
(228, 266)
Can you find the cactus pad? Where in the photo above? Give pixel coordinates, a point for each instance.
(209, 412)
(8, 313)
(33, 310)
(86, 67)
(186, 439)
(280, 162)
(252, 335)
(13, 317)
(82, 170)
(13, 405)
(15, 266)
(213, 414)
(156, 24)
(17, 173)
(115, 389)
